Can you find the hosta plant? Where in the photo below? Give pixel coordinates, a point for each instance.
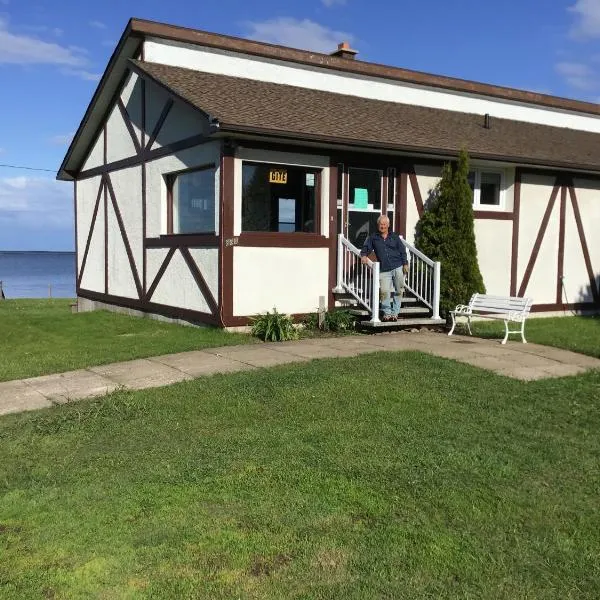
(274, 327)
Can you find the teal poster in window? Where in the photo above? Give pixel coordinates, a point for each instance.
(361, 198)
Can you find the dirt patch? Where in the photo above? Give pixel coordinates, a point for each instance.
(263, 565)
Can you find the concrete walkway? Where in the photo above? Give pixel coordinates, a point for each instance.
(521, 361)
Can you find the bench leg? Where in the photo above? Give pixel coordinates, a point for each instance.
(453, 324)
(523, 331)
(506, 334)
(469, 325)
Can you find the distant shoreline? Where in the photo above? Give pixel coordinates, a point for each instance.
(37, 251)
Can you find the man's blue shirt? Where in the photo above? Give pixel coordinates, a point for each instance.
(390, 252)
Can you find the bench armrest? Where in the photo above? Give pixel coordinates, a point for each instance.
(462, 309)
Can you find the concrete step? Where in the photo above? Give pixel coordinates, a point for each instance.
(401, 324)
(404, 311)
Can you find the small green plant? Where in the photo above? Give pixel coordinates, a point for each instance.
(335, 321)
(274, 327)
(338, 321)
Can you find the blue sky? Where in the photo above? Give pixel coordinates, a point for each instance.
(52, 55)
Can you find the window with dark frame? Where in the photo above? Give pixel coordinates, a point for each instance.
(486, 187)
(280, 198)
(365, 188)
(191, 201)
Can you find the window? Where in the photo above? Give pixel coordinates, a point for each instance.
(365, 189)
(279, 198)
(487, 188)
(191, 201)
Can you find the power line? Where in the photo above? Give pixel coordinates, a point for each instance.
(27, 168)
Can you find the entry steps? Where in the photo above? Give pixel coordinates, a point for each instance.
(413, 313)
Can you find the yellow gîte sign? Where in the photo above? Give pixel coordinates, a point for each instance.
(277, 176)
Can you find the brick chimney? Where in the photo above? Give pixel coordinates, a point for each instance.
(344, 51)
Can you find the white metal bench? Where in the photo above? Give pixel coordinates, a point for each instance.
(503, 308)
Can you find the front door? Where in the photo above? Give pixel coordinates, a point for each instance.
(363, 203)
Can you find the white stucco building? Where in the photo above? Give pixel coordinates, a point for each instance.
(213, 175)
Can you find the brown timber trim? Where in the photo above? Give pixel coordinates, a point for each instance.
(561, 244)
(226, 225)
(556, 307)
(402, 202)
(274, 239)
(169, 180)
(492, 215)
(136, 277)
(332, 199)
(91, 232)
(172, 312)
(539, 239)
(183, 240)
(160, 273)
(129, 125)
(334, 63)
(584, 246)
(146, 155)
(558, 173)
(414, 184)
(158, 126)
(200, 281)
(514, 261)
(243, 321)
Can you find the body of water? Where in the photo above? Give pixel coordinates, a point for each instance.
(38, 274)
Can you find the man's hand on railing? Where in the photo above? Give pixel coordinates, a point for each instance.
(364, 260)
(405, 269)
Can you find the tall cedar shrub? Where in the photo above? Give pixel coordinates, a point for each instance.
(446, 233)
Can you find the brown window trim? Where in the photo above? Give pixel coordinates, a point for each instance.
(276, 239)
(318, 204)
(170, 180)
(200, 240)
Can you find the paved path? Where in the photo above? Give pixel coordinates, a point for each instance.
(517, 360)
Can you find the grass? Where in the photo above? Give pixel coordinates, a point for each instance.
(579, 334)
(390, 475)
(42, 336)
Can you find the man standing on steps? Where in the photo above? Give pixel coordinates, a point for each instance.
(393, 264)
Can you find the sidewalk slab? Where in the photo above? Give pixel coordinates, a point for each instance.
(255, 356)
(17, 396)
(140, 374)
(197, 363)
(73, 385)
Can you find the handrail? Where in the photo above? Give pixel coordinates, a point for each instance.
(360, 280)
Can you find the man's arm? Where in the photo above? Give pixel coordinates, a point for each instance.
(366, 249)
(403, 256)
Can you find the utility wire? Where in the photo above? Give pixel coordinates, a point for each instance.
(27, 168)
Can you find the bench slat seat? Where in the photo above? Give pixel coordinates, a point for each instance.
(505, 308)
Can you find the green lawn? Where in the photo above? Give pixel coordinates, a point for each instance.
(390, 475)
(42, 336)
(579, 334)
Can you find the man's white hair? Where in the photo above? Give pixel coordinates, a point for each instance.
(381, 218)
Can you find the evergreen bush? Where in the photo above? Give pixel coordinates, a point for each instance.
(446, 233)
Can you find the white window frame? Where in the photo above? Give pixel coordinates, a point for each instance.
(477, 191)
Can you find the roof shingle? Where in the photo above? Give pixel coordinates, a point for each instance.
(300, 113)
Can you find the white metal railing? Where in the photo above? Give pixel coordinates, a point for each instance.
(362, 281)
(423, 278)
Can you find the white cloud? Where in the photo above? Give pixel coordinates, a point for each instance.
(330, 3)
(82, 74)
(97, 24)
(62, 139)
(587, 19)
(27, 50)
(33, 200)
(577, 75)
(297, 33)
